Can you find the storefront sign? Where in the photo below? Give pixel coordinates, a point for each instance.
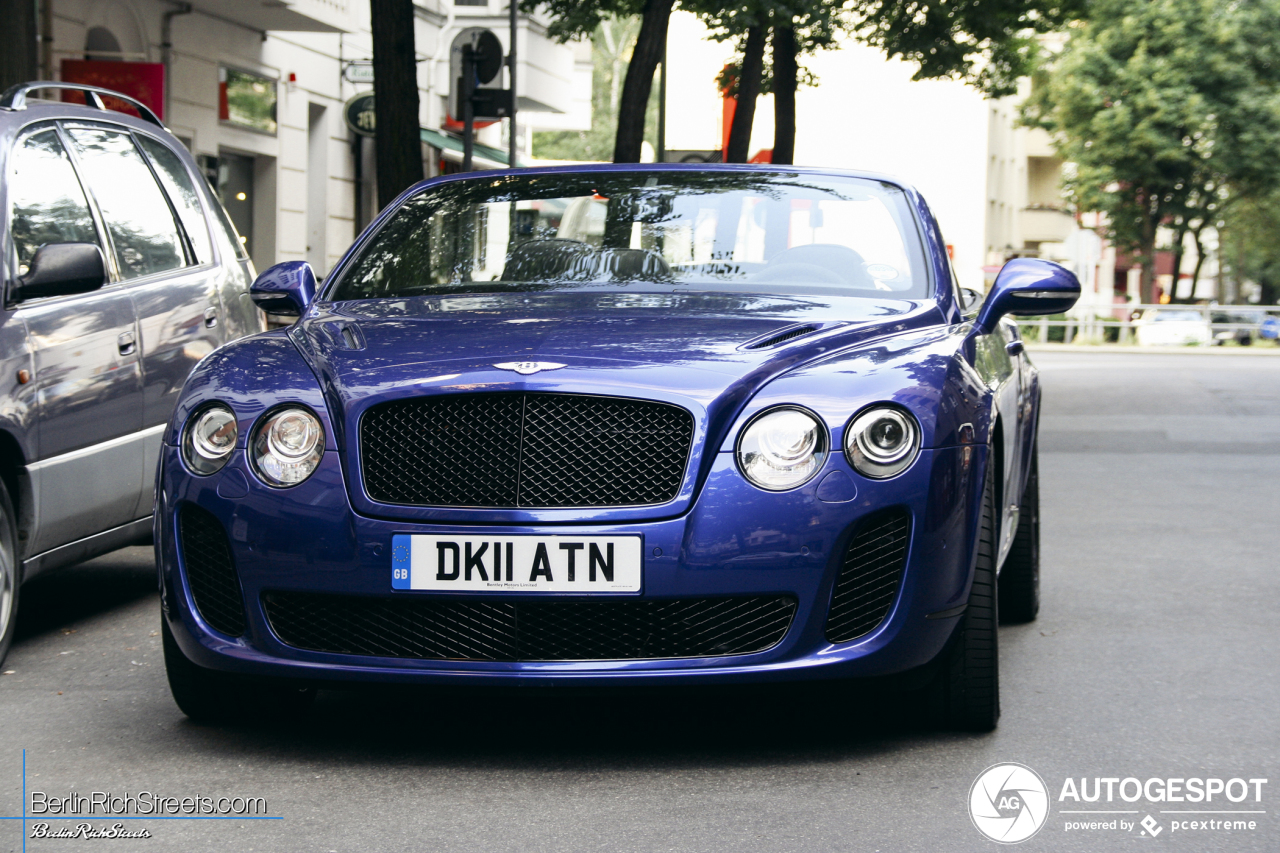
(143, 81)
(358, 112)
(358, 71)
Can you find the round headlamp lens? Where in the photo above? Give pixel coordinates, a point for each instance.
(209, 439)
(293, 435)
(782, 449)
(287, 446)
(882, 442)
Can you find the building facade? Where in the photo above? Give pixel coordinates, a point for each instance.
(257, 89)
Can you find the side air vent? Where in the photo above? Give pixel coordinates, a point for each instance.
(870, 577)
(206, 556)
(790, 333)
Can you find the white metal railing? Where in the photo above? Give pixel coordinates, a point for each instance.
(1094, 329)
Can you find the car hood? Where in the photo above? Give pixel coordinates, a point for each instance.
(374, 346)
(700, 351)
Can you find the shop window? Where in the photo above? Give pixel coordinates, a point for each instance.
(247, 100)
(235, 188)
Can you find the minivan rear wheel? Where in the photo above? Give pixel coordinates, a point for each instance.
(10, 575)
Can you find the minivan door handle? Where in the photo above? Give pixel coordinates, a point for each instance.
(126, 343)
(211, 318)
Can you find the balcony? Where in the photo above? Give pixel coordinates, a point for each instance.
(313, 16)
(1045, 224)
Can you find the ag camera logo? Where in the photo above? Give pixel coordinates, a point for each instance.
(1008, 802)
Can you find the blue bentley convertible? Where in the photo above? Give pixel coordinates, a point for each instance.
(618, 424)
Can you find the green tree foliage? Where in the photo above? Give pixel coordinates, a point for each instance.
(611, 45)
(1170, 111)
(986, 43)
(1249, 248)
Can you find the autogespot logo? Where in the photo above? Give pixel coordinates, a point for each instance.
(1008, 802)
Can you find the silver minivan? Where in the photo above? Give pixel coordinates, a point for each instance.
(121, 271)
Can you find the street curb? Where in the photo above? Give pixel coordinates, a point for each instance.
(1137, 350)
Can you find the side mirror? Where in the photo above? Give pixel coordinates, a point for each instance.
(286, 288)
(60, 269)
(1027, 287)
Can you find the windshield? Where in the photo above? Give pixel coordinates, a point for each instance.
(776, 233)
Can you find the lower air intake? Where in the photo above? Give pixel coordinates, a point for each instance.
(870, 577)
(529, 630)
(211, 574)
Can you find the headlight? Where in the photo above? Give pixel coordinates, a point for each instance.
(882, 441)
(287, 446)
(782, 449)
(209, 438)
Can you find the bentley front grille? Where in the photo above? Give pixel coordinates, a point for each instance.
(524, 450)
(869, 579)
(529, 629)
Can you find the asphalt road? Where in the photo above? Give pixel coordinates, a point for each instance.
(1156, 656)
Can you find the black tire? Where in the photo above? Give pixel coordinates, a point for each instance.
(207, 696)
(965, 693)
(10, 573)
(1020, 577)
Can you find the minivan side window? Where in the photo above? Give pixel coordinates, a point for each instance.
(177, 183)
(49, 205)
(137, 215)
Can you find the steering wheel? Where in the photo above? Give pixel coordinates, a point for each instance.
(798, 272)
(846, 265)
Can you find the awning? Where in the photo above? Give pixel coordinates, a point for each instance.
(450, 143)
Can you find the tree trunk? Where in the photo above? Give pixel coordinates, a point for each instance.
(1147, 283)
(785, 81)
(645, 57)
(1195, 272)
(1179, 251)
(398, 143)
(19, 56)
(748, 90)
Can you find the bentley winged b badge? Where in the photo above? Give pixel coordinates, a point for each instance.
(525, 368)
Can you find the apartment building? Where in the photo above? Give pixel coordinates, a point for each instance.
(256, 89)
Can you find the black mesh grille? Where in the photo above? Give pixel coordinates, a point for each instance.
(869, 579)
(529, 630)
(524, 450)
(210, 570)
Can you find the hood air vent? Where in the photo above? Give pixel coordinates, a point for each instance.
(782, 336)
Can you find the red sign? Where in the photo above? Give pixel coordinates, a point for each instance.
(143, 81)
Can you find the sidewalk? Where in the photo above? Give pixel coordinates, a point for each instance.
(1137, 350)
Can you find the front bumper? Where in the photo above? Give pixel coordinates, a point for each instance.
(735, 540)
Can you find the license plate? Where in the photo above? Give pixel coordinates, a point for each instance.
(582, 564)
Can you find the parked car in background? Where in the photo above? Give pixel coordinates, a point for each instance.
(1172, 327)
(1231, 323)
(613, 425)
(121, 271)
